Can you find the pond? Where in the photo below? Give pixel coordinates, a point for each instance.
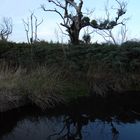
(78, 122)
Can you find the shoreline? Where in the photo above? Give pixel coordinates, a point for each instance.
(126, 100)
(12, 102)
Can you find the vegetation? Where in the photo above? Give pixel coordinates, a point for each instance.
(49, 74)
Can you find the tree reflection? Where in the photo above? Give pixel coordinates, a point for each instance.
(72, 129)
(93, 121)
(115, 132)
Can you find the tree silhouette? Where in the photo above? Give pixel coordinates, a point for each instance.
(76, 20)
(31, 28)
(6, 28)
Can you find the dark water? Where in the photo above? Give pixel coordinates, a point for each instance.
(76, 123)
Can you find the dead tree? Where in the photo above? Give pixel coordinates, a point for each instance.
(108, 35)
(31, 28)
(6, 28)
(27, 27)
(76, 20)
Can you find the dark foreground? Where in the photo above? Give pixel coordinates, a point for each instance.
(114, 118)
(47, 75)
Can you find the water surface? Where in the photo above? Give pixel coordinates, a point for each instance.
(79, 123)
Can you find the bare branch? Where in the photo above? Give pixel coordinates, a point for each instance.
(36, 27)
(6, 28)
(80, 6)
(121, 10)
(62, 30)
(123, 34)
(72, 3)
(26, 27)
(57, 3)
(32, 26)
(56, 11)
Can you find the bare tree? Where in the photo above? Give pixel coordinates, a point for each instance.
(6, 28)
(115, 38)
(123, 34)
(75, 21)
(31, 28)
(108, 35)
(27, 27)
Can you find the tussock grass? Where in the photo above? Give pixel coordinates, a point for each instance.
(9, 77)
(103, 81)
(43, 86)
(10, 96)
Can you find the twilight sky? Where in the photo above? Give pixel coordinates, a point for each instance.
(49, 30)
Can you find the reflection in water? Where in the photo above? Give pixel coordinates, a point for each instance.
(74, 124)
(115, 132)
(72, 128)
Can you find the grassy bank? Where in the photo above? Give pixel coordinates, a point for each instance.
(50, 74)
(44, 86)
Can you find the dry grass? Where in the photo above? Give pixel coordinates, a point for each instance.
(9, 91)
(43, 86)
(104, 81)
(9, 77)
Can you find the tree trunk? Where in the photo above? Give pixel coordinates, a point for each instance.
(74, 36)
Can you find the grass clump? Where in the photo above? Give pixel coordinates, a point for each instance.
(43, 87)
(10, 96)
(105, 81)
(9, 77)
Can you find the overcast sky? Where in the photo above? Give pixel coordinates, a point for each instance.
(49, 30)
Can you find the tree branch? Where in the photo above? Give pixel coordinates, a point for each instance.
(6, 28)
(57, 3)
(50, 10)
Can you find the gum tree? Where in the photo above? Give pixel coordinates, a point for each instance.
(74, 20)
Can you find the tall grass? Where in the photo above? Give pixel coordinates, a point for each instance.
(9, 77)
(103, 81)
(10, 96)
(43, 86)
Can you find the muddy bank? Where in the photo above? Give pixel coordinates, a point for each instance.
(129, 100)
(10, 101)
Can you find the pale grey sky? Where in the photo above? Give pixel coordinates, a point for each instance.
(48, 30)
